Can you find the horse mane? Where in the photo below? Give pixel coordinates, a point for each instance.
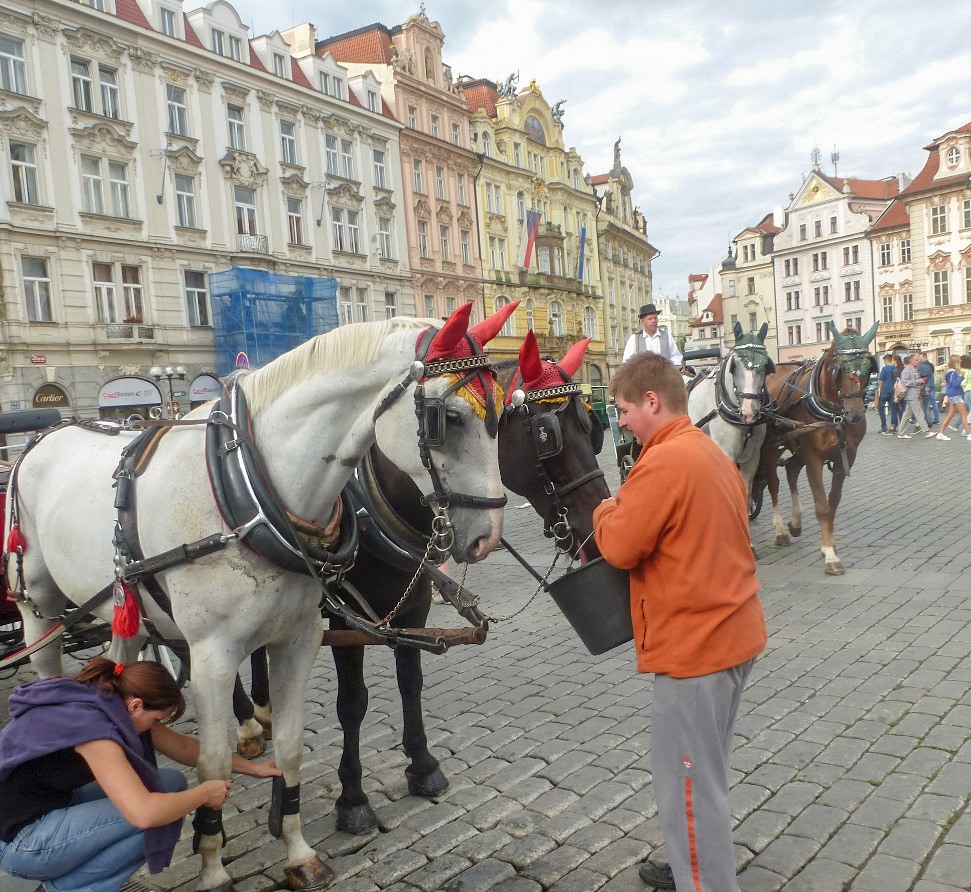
(347, 345)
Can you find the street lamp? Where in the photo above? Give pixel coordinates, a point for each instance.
(168, 373)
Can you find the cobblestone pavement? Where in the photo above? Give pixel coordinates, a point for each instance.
(852, 767)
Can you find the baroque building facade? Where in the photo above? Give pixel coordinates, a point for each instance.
(625, 257)
(438, 169)
(518, 137)
(822, 260)
(143, 149)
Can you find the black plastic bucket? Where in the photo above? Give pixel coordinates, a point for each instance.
(595, 598)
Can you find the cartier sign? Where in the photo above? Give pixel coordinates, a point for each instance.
(50, 396)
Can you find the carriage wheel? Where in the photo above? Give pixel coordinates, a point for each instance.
(626, 463)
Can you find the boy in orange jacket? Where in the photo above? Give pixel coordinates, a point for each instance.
(680, 525)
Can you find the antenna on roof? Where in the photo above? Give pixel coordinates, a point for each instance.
(835, 158)
(816, 157)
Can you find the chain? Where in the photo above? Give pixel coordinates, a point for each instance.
(539, 588)
(431, 546)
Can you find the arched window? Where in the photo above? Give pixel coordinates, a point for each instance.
(520, 207)
(507, 329)
(486, 148)
(556, 318)
(590, 323)
(596, 376)
(530, 314)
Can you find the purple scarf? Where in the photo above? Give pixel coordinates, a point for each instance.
(57, 713)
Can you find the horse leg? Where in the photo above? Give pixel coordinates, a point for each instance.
(354, 812)
(834, 566)
(769, 466)
(260, 689)
(824, 514)
(250, 741)
(792, 476)
(424, 775)
(48, 660)
(291, 663)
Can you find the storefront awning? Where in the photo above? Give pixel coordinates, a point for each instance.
(128, 392)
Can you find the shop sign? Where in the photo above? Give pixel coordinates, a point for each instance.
(204, 388)
(37, 359)
(50, 396)
(129, 392)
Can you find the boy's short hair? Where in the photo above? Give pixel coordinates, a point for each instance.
(888, 357)
(650, 371)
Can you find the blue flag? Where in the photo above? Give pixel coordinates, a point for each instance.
(583, 243)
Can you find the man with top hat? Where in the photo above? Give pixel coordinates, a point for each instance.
(651, 339)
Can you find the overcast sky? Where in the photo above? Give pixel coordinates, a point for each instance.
(718, 103)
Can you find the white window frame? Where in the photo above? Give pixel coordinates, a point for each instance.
(82, 85)
(235, 48)
(385, 239)
(110, 92)
(423, 239)
(466, 241)
(942, 288)
(887, 308)
(236, 122)
(590, 328)
(556, 319)
(354, 232)
(217, 42)
(279, 65)
(185, 200)
(118, 186)
(106, 308)
(445, 239)
(167, 21)
(372, 101)
(92, 186)
(244, 203)
(440, 183)
(907, 304)
(939, 219)
(197, 298)
(460, 189)
(390, 304)
(288, 142)
(347, 159)
(380, 170)
(37, 290)
(412, 117)
(345, 304)
(363, 305)
(456, 134)
(966, 208)
(13, 66)
(331, 155)
(886, 254)
(295, 220)
(419, 176)
(338, 229)
(26, 184)
(436, 126)
(178, 110)
(133, 294)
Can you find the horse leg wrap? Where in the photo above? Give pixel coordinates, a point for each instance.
(283, 801)
(207, 822)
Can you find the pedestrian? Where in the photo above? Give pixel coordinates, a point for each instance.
(954, 394)
(679, 523)
(651, 339)
(912, 406)
(966, 382)
(928, 390)
(886, 397)
(84, 803)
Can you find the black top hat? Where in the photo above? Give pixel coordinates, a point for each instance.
(648, 310)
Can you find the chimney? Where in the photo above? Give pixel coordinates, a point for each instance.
(302, 39)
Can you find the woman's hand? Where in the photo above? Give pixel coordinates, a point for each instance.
(262, 768)
(216, 792)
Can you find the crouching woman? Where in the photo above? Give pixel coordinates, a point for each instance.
(84, 802)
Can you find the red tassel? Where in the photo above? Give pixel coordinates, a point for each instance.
(16, 540)
(127, 618)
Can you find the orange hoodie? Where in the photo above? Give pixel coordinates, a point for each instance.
(680, 525)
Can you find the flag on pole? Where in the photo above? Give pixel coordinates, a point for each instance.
(583, 244)
(530, 227)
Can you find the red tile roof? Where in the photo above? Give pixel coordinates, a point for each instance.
(481, 93)
(925, 179)
(767, 225)
(886, 189)
(894, 216)
(698, 277)
(599, 179)
(190, 35)
(130, 11)
(715, 308)
(372, 43)
(296, 72)
(254, 60)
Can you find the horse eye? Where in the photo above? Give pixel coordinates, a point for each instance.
(455, 417)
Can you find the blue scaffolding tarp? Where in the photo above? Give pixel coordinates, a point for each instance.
(265, 314)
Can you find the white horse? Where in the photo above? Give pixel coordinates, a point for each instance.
(726, 404)
(314, 413)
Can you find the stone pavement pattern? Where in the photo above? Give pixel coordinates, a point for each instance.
(852, 768)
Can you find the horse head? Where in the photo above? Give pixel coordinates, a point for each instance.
(850, 363)
(549, 443)
(747, 366)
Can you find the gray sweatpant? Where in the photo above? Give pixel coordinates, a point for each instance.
(691, 750)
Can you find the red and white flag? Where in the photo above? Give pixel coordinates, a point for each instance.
(529, 238)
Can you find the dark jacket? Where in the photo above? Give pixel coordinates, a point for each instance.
(56, 713)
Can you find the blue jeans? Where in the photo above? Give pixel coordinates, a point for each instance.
(930, 409)
(86, 847)
(882, 409)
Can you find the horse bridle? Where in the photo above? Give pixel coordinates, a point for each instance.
(543, 431)
(723, 405)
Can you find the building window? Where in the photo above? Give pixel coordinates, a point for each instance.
(855, 322)
(422, 239)
(460, 188)
(419, 178)
(792, 266)
(967, 285)
(167, 19)
(346, 307)
(185, 200)
(817, 228)
(295, 220)
(372, 101)
(590, 323)
(330, 153)
(390, 304)
(197, 298)
(939, 219)
(556, 318)
(802, 232)
(81, 85)
(520, 207)
(436, 127)
(905, 250)
(380, 175)
(517, 154)
(886, 254)
(104, 293)
(347, 235)
(440, 183)
(467, 249)
(235, 49)
(456, 135)
(37, 289)
(530, 314)
(852, 290)
(543, 258)
(347, 159)
(731, 288)
(908, 307)
(941, 288)
(887, 308)
(237, 128)
(363, 304)
(337, 85)
(429, 307)
(288, 142)
(218, 42)
(446, 246)
(794, 334)
(753, 321)
(13, 69)
(110, 97)
(821, 296)
(279, 65)
(412, 117)
(92, 182)
(131, 289)
(178, 111)
(576, 180)
(497, 201)
(833, 225)
(245, 210)
(23, 166)
(486, 146)
(384, 238)
(750, 285)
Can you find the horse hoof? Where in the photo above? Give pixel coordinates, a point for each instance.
(264, 715)
(356, 819)
(251, 747)
(430, 784)
(834, 568)
(795, 532)
(312, 875)
(781, 539)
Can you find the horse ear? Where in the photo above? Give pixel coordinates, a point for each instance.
(488, 328)
(530, 365)
(574, 357)
(871, 333)
(451, 332)
(763, 331)
(837, 336)
(738, 330)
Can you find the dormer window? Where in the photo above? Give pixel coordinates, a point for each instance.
(235, 49)
(218, 42)
(279, 65)
(372, 101)
(338, 85)
(167, 21)
(953, 156)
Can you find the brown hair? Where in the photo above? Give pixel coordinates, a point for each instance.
(954, 361)
(650, 371)
(966, 361)
(150, 682)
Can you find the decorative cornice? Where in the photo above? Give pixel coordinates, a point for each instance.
(266, 99)
(47, 27)
(184, 160)
(175, 74)
(345, 194)
(294, 185)
(22, 121)
(939, 260)
(93, 42)
(204, 79)
(143, 60)
(385, 204)
(101, 138)
(13, 23)
(444, 213)
(422, 210)
(243, 168)
(234, 91)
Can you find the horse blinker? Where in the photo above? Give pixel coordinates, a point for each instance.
(547, 436)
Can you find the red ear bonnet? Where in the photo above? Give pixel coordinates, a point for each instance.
(530, 365)
(450, 334)
(571, 362)
(487, 329)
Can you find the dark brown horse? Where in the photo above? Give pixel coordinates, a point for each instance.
(818, 413)
(564, 484)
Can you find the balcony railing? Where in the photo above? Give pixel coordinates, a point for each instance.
(253, 244)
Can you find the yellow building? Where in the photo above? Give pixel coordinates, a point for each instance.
(519, 139)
